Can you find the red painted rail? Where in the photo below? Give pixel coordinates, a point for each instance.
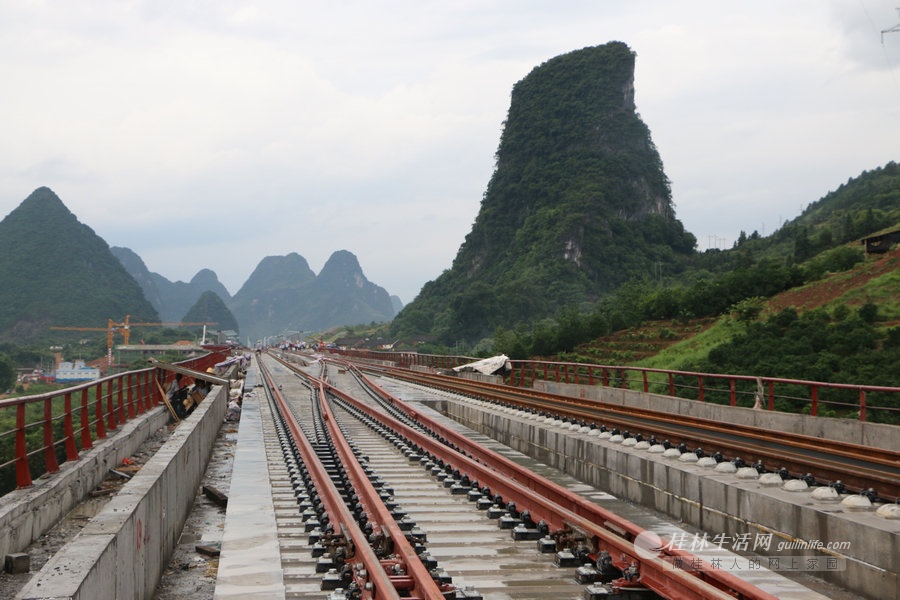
(375, 581)
(561, 508)
(816, 398)
(54, 427)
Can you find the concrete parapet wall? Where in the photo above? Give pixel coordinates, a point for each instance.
(712, 502)
(853, 431)
(122, 552)
(27, 514)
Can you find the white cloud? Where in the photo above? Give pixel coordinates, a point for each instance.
(211, 134)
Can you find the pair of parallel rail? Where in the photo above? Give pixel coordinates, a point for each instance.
(869, 470)
(568, 517)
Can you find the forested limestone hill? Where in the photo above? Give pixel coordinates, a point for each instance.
(57, 272)
(578, 203)
(284, 295)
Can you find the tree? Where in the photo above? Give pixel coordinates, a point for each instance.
(570, 329)
(869, 224)
(7, 374)
(511, 343)
(748, 309)
(868, 312)
(802, 246)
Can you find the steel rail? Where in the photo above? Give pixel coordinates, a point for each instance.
(885, 474)
(655, 573)
(874, 455)
(508, 468)
(377, 585)
(884, 471)
(415, 582)
(879, 456)
(527, 371)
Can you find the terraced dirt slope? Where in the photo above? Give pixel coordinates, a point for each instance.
(877, 279)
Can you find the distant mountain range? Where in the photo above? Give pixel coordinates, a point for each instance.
(170, 299)
(58, 272)
(284, 295)
(281, 296)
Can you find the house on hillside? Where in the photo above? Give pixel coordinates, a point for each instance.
(881, 243)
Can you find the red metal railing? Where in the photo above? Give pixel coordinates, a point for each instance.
(72, 419)
(815, 398)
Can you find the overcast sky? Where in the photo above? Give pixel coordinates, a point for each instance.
(213, 133)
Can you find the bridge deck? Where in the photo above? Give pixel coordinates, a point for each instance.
(251, 563)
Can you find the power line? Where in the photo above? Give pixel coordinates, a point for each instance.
(894, 29)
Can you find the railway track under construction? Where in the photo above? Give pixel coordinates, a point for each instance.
(870, 471)
(382, 500)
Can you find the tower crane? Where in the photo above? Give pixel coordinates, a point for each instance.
(112, 327)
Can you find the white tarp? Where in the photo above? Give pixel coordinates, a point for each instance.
(488, 366)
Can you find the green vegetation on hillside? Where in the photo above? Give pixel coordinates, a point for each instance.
(639, 301)
(863, 206)
(815, 345)
(57, 271)
(842, 346)
(210, 308)
(831, 317)
(578, 204)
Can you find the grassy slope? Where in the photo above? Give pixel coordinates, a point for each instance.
(876, 280)
(690, 350)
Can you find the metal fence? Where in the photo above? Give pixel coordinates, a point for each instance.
(816, 398)
(54, 427)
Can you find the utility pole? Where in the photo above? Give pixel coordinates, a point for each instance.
(894, 29)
